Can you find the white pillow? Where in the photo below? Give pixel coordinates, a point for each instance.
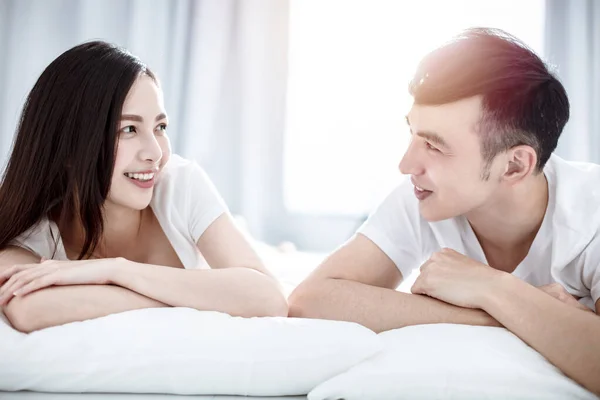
(447, 361)
(182, 351)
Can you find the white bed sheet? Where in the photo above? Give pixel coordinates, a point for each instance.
(126, 396)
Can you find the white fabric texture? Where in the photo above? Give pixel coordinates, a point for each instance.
(446, 361)
(566, 249)
(184, 201)
(182, 351)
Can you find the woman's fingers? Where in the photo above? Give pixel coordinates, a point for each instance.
(37, 283)
(19, 279)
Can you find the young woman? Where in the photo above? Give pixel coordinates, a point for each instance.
(98, 217)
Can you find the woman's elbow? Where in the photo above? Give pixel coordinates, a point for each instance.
(17, 313)
(277, 307)
(274, 303)
(268, 299)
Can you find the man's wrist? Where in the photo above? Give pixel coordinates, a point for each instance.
(500, 285)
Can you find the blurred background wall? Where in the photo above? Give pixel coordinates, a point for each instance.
(296, 108)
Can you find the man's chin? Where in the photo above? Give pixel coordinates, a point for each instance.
(431, 213)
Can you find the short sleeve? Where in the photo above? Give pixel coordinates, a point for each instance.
(591, 268)
(581, 277)
(204, 202)
(42, 239)
(595, 284)
(395, 228)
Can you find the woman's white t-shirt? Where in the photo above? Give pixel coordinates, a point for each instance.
(566, 249)
(184, 201)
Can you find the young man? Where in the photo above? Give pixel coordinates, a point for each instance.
(505, 233)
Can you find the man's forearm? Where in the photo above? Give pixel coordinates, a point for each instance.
(568, 337)
(378, 308)
(59, 305)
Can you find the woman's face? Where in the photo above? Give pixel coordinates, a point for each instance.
(143, 147)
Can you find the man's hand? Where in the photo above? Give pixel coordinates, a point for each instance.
(456, 279)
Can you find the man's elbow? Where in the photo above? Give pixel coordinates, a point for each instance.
(303, 302)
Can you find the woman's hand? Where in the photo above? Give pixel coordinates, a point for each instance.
(19, 280)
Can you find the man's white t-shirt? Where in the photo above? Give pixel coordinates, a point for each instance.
(184, 201)
(565, 250)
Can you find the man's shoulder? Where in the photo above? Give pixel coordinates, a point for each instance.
(576, 190)
(576, 218)
(399, 214)
(573, 174)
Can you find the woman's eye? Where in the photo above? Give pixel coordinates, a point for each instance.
(162, 128)
(128, 129)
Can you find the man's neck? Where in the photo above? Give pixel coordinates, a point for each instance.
(513, 221)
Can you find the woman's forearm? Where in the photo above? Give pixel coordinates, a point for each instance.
(58, 305)
(236, 291)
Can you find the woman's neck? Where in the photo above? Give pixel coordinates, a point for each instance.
(122, 227)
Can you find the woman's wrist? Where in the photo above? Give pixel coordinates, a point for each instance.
(118, 270)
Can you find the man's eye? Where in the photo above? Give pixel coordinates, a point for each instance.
(430, 147)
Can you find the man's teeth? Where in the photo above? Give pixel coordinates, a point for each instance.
(140, 177)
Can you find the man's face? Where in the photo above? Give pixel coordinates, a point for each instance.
(445, 162)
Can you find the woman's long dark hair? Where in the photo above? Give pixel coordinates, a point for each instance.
(64, 151)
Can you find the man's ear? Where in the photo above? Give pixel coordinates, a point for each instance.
(521, 162)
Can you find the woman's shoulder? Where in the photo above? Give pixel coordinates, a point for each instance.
(42, 238)
(180, 169)
(183, 181)
(185, 198)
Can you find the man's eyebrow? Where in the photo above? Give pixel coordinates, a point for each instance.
(430, 136)
(433, 138)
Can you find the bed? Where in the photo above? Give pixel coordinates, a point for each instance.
(25, 395)
(304, 359)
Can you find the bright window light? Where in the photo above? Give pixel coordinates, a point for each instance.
(350, 62)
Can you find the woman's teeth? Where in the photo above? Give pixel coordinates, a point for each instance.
(140, 177)
(419, 189)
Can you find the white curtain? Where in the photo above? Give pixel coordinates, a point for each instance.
(221, 64)
(573, 46)
(35, 32)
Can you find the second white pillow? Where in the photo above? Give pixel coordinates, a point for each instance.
(447, 361)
